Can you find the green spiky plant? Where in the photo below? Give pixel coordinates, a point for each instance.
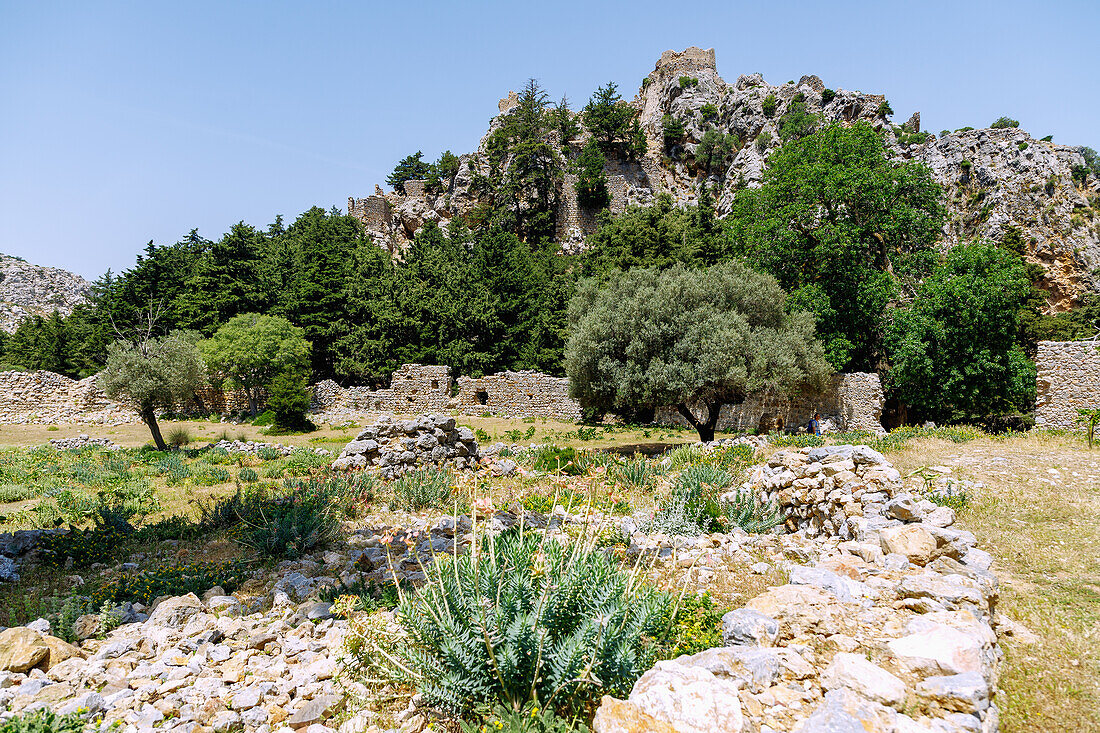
(746, 512)
(523, 619)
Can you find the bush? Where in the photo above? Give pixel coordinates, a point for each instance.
(638, 473)
(672, 130)
(291, 524)
(692, 625)
(768, 105)
(686, 82)
(248, 476)
(528, 719)
(751, 515)
(288, 399)
(1002, 123)
(591, 182)
(521, 618)
(179, 437)
(692, 507)
(827, 96)
(43, 721)
(708, 112)
(763, 140)
(550, 459)
(884, 109)
(424, 488)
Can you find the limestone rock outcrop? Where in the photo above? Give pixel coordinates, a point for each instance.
(33, 290)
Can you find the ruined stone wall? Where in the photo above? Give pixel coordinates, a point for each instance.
(686, 61)
(374, 211)
(413, 388)
(1068, 379)
(852, 402)
(518, 394)
(45, 398)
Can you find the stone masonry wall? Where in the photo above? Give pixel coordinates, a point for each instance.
(518, 394)
(44, 397)
(413, 388)
(853, 402)
(1068, 378)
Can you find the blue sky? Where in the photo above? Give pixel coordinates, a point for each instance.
(125, 122)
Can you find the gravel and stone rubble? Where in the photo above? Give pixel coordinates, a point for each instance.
(83, 441)
(397, 446)
(891, 629)
(253, 448)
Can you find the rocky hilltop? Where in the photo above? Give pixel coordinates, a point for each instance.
(33, 290)
(994, 180)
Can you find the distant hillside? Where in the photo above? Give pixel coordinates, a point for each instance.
(997, 182)
(28, 290)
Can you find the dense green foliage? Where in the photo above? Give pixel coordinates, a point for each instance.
(43, 720)
(614, 123)
(687, 337)
(953, 351)
(824, 225)
(410, 168)
(591, 181)
(250, 351)
(1004, 123)
(522, 618)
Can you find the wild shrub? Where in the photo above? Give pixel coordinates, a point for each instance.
(211, 476)
(287, 525)
(528, 719)
(551, 459)
(304, 460)
(10, 493)
(692, 624)
(43, 720)
(795, 440)
(827, 96)
(748, 513)
(692, 507)
(521, 618)
(768, 105)
(173, 468)
(169, 580)
(179, 437)
(638, 473)
(248, 475)
(424, 488)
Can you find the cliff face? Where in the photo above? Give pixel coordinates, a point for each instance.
(27, 290)
(993, 180)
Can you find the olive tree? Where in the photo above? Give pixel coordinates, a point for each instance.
(687, 338)
(250, 350)
(152, 374)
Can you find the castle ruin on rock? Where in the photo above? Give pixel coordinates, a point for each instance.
(995, 182)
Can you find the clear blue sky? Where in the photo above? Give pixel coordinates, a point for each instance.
(125, 122)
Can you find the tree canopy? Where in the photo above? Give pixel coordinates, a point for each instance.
(685, 337)
(250, 350)
(152, 374)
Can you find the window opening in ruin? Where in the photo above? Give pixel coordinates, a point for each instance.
(482, 398)
(435, 384)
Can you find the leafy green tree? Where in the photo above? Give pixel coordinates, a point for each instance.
(672, 131)
(43, 343)
(565, 122)
(769, 105)
(687, 337)
(250, 350)
(797, 122)
(614, 123)
(410, 168)
(656, 236)
(953, 351)
(443, 172)
(713, 151)
(591, 181)
(225, 281)
(153, 373)
(844, 230)
(288, 398)
(1092, 159)
(1002, 123)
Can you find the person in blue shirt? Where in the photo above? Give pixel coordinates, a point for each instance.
(814, 426)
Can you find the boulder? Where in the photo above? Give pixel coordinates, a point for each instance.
(21, 649)
(747, 627)
(176, 612)
(690, 699)
(620, 716)
(941, 650)
(961, 693)
(912, 540)
(869, 680)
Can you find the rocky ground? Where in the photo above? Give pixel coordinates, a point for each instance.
(28, 290)
(888, 625)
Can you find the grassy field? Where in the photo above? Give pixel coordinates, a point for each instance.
(1038, 516)
(1036, 512)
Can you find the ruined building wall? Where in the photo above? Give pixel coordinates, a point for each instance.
(413, 388)
(1067, 379)
(852, 402)
(518, 394)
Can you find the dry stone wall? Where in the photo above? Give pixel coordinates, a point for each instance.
(1068, 379)
(44, 397)
(852, 402)
(518, 394)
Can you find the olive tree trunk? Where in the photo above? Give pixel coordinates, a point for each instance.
(149, 417)
(706, 427)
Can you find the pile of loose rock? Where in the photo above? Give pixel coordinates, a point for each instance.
(841, 491)
(83, 441)
(254, 448)
(396, 446)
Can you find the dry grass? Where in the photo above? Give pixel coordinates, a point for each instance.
(1038, 516)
